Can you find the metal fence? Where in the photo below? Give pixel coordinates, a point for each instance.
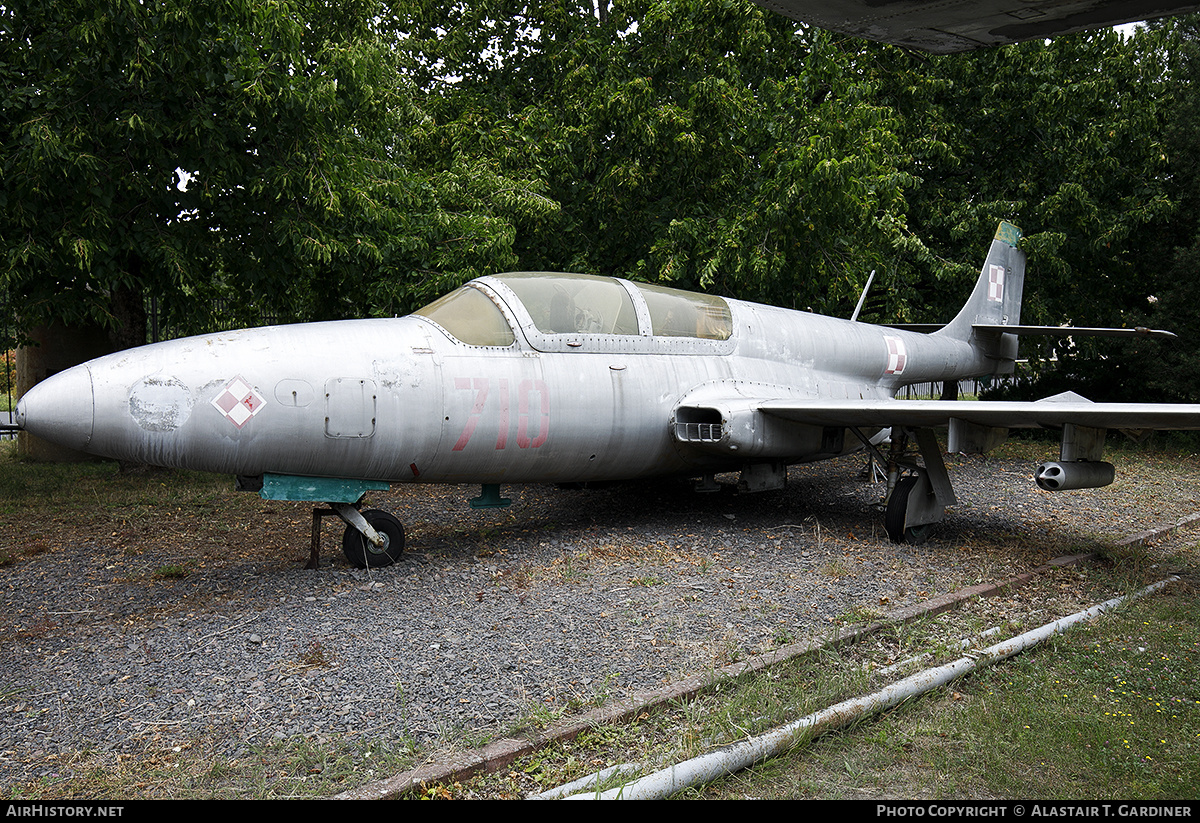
(222, 315)
(967, 389)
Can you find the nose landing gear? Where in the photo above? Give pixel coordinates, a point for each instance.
(363, 552)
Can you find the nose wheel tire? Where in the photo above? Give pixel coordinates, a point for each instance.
(362, 553)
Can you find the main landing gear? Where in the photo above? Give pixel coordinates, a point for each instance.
(917, 493)
(910, 489)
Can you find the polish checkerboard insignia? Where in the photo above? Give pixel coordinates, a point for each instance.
(996, 284)
(897, 355)
(238, 401)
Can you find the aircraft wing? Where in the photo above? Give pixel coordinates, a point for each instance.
(946, 26)
(1049, 413)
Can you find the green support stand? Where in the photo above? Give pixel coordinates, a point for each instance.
(490, 498)
(317, 489)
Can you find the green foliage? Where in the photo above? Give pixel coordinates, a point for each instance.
(310, 161)
(1173, 372)
(716, 146)
(1119, 242)
(703, 144)
(221, 148)
(1063, 138)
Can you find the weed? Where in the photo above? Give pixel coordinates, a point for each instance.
(572, 568)
(171, 572)
(861, 614)
(783, 637)
(602, 737)
(35, 547)
(515, 578)
(439, 792)
(39, 627)
(314, 655)
(835, 568)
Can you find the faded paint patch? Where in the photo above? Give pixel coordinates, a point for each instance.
(897, 355)
(160, 404)
(398, 374)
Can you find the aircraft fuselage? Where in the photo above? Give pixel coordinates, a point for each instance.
(402, 400)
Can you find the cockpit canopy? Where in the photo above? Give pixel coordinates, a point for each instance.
(579, 305)
(470, 316)
(574, 303)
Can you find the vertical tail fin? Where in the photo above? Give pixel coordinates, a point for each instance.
(995, 300)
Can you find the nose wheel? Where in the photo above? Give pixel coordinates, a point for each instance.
(362, 553)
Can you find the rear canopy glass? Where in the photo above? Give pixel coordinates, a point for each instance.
(675, 313)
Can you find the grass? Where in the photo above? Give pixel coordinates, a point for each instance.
(72, 486)
(168, 513)
(1106, 710)
(171, 571)
(293, 768)
(1110, 709)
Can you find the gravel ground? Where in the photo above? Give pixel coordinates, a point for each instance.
(565, 597)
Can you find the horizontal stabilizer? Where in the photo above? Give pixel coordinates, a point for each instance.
(1072, 331)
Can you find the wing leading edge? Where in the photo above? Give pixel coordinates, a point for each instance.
(1049, 413)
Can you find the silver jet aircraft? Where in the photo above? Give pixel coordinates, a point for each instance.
(569, 378)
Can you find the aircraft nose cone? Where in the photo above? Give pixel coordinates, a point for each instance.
(60, 409)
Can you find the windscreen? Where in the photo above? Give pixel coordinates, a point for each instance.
(470, 316)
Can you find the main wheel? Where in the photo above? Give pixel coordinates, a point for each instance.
(361, 552)
(897, 513)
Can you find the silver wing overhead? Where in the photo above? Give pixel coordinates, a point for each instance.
(946, 26)
(1048, 413)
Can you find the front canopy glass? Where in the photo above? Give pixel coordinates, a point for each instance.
(471, 316)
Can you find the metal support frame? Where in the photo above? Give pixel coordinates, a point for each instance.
(489, 498)
(876, 468)
(928, 500)
(314, 553)
(1081, 443)
(350, 515)
(761, 477)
